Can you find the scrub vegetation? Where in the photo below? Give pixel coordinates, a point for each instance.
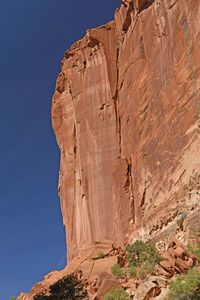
(117, 271)
(100, 255)
(117, 294)
(186, 286)
(143, 258)
(68, 288)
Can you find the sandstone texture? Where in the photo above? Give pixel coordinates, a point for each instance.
(126, 114)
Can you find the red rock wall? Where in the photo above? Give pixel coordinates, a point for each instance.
(126, 114)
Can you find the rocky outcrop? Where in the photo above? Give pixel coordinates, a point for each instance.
(177, 259)
(95, 272)
(84, 119)
(146, 291)
(126, 114)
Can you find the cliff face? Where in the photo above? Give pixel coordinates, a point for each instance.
(126, 114)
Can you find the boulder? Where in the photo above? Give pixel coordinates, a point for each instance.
(147, 290)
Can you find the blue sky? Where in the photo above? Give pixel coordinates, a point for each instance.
(34, 34)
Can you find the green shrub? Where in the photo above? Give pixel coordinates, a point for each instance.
(117, 294)
(142, 273)
(145, 269)
(144, 256)
(117, 271)
(135, 253)
(68, 288)
(132, 271)
(186, 287)
(140, 253)
(100, 255)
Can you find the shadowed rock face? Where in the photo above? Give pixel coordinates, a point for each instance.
(126, 114)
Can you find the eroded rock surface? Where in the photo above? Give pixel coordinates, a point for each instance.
(126, 113)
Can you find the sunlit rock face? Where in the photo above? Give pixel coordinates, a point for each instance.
(126, 114)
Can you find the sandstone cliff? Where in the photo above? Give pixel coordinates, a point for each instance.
(126, 114)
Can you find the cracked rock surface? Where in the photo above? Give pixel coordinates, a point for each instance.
(126, 114)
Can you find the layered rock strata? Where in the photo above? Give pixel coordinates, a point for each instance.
(126, 114)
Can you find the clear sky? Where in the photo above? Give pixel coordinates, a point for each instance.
(34, 35)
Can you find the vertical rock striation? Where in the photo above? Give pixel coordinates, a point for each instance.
(126, 114)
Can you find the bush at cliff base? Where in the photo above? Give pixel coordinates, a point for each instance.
(143, 258)
(68, 288)
(186, 286)
(117, 294)
(117, 271)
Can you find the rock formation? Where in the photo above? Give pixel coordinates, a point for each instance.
(96, 272)
(126, 114)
